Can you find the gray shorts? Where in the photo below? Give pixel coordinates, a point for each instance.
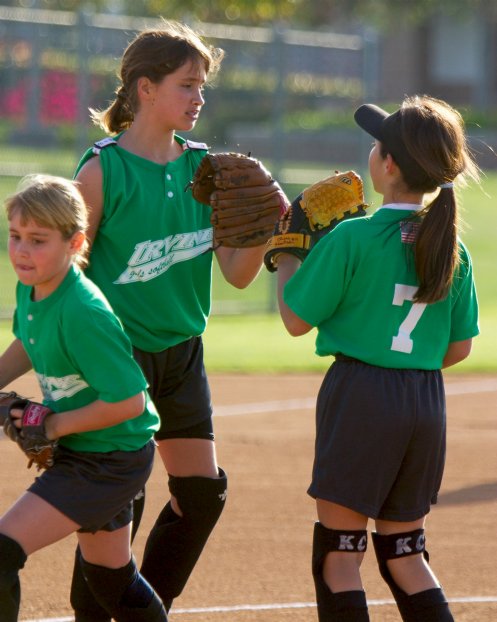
(95, 490)
(380, 440)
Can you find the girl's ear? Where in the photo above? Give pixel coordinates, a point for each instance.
(77, 242)
(145, 88)
(389, 164)
(391, 167)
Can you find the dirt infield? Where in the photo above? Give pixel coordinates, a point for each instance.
(256, 567)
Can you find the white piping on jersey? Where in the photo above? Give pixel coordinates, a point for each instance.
(411, 207)
(191, 144)
(101, 144)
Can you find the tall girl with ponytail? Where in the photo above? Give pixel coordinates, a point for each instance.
(393, 299)
(151, 253)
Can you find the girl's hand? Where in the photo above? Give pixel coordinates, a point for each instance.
(16, 416)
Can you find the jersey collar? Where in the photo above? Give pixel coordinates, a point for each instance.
(408, 207)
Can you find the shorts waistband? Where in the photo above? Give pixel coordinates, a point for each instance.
(343, 358)
(347, 359)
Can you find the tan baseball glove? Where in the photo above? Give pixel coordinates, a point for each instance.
(315, 212)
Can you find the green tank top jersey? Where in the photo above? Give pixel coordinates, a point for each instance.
(357, 286)
(152, 256)
(80, 353)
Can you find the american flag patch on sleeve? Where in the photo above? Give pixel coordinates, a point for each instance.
(409, 231)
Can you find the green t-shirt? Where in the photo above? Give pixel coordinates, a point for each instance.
(152, 255)
(80, 353)
(356, 286)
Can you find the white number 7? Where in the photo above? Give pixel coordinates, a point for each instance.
(402, 342)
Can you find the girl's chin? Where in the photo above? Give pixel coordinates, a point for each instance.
(189, 124)
(25, 278)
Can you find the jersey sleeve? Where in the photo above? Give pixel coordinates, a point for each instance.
(326, 269)
(464, 315)
(103, 353)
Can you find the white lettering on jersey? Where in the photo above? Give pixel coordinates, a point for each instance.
(150, 259)
(55, 388)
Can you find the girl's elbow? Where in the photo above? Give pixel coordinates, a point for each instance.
(296, 328)
(239, 283)
(241, 279)
(457, 352)
(135, 406)
(293, 331)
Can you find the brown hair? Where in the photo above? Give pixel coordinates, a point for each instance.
(52, 202)
(433, 134)
(154, 54)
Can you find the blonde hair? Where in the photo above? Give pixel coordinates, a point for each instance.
(153, 54)
(434, 136)
(52, 202)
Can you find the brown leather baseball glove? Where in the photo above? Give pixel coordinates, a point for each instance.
(31, 436)
(246, 201)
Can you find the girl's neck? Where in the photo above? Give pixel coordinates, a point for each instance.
(414, 198)
(46, 289)
(147, 144)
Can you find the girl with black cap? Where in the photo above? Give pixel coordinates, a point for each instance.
(393, 299)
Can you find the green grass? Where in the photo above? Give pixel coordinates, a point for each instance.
(251, 344)
(260, 343)
(242, 335)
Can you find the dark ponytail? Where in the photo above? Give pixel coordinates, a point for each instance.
(433, 134)
(118, 116)
(436, 251)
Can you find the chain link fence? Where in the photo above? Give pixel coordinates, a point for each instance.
(284, 95)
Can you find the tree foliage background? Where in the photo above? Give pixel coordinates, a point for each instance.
(297, 13)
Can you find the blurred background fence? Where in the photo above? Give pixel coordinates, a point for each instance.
(54, 65)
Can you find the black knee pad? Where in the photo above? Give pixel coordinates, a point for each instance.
(176, 542)
(124, 593)
(86, 607)
(350, 606)
(327, 540)
(395, 546)
(12, 559)
(200, 499)
(427, 606)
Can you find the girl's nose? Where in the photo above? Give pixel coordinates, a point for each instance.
(22, 248)
(199, 98)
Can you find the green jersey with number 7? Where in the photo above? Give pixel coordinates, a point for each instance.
(357, 288)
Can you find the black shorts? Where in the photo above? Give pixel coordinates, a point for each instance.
(95, 490)
(380, 440)
(180, 390)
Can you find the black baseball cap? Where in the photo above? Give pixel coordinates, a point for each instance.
(387, 128)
